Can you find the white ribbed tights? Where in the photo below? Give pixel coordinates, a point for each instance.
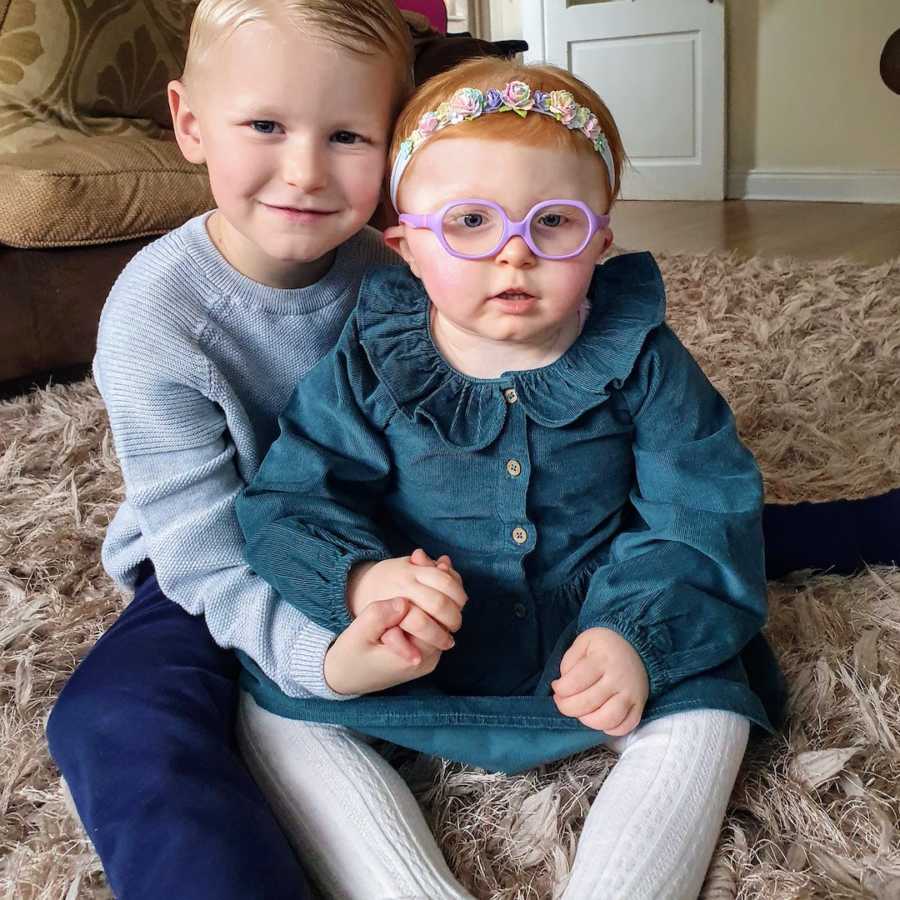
(360, 834)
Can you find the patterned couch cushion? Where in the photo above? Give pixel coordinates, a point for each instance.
(95, 190)
(85, 139)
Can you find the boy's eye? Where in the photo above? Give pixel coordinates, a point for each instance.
(347, 137)
(263, 126)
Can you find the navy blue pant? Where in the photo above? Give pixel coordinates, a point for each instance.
(143, 731)
(838, 536)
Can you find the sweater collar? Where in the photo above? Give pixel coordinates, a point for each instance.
(627, 302)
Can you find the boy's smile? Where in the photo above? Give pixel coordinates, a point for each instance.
(293, 130)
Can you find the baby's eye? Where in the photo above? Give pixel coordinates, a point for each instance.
(551, 220)
(473, 220)
(264, 126)
(347, 137)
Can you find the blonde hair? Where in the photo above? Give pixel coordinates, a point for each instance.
(485, 73)
(367, 27)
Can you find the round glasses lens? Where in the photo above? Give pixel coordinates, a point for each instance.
(559, 229)
(472, 228)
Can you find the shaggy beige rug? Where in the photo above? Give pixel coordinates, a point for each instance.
(808, 356)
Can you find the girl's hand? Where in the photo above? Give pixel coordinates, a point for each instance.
(359, 663)
(434, 589)
(602, 682)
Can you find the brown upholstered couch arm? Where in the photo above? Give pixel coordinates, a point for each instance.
(50, 302)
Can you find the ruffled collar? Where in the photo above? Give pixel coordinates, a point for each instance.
(627, 302)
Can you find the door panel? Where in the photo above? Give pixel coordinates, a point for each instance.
(660, 67)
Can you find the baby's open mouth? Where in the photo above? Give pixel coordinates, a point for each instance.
(514, 295)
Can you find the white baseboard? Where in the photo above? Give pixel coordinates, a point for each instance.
(815, 184)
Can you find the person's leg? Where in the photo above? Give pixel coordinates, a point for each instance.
(143, 733)
(349, 814)
(652, 829)
(838, 535)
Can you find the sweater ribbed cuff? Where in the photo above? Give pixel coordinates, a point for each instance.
(308, 662)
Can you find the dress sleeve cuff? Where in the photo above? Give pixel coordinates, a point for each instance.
(657, 673)
(323, 595)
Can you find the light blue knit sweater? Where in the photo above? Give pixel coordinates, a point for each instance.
(195, 362)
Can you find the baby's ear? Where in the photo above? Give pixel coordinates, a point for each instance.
(394, 235)
(395, 238)
(607, 242)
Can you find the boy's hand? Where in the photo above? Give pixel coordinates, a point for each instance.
(434, 590)
(602, 682)
(359, 663)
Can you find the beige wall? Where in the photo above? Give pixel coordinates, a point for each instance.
(804, 92)
(804, 87)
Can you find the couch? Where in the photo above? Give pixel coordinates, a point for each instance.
(89, 170)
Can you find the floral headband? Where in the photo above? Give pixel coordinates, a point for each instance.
(470, 103)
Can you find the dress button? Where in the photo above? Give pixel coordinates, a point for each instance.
(520, 611)
(511, 395)
(519, 535)
(514, 467)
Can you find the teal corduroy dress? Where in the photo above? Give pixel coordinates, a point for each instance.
(607, 489)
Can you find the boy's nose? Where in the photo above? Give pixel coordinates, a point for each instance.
(516, 253)
(304, 168)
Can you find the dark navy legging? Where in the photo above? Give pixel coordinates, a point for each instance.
(143, 731)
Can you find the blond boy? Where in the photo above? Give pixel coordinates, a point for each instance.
(205, 334)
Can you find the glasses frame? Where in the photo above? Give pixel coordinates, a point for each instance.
(434, 223)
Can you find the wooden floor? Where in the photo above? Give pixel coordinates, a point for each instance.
(868, 233)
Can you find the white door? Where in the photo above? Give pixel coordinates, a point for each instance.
(659, 65)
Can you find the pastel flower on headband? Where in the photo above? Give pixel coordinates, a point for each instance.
(429, 122)
(517, 96)
(470, 103)
(579, 120)
(562, 105)
(466, 103)
(493, 100)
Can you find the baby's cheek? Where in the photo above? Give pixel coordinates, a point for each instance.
(453, 290)
(437, 269)
(572, 283)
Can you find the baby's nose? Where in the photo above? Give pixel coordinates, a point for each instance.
(516, 252)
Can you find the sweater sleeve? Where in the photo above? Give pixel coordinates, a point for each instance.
(310, 514)
(685, 582)
(181, 481)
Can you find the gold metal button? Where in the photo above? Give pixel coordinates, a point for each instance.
(511, 395)
(514, 468)
(519, 535)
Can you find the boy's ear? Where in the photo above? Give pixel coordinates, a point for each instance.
(187, 129)
(395, 238)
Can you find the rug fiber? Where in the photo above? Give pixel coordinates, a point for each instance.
(807, 354)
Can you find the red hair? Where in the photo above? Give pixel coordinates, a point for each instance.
(537, 130)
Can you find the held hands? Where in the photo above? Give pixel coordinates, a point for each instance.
(602, 682)
(359, 663)
(434, 590)
(393, 640)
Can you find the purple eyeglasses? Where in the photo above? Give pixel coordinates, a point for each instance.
(477, 229)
